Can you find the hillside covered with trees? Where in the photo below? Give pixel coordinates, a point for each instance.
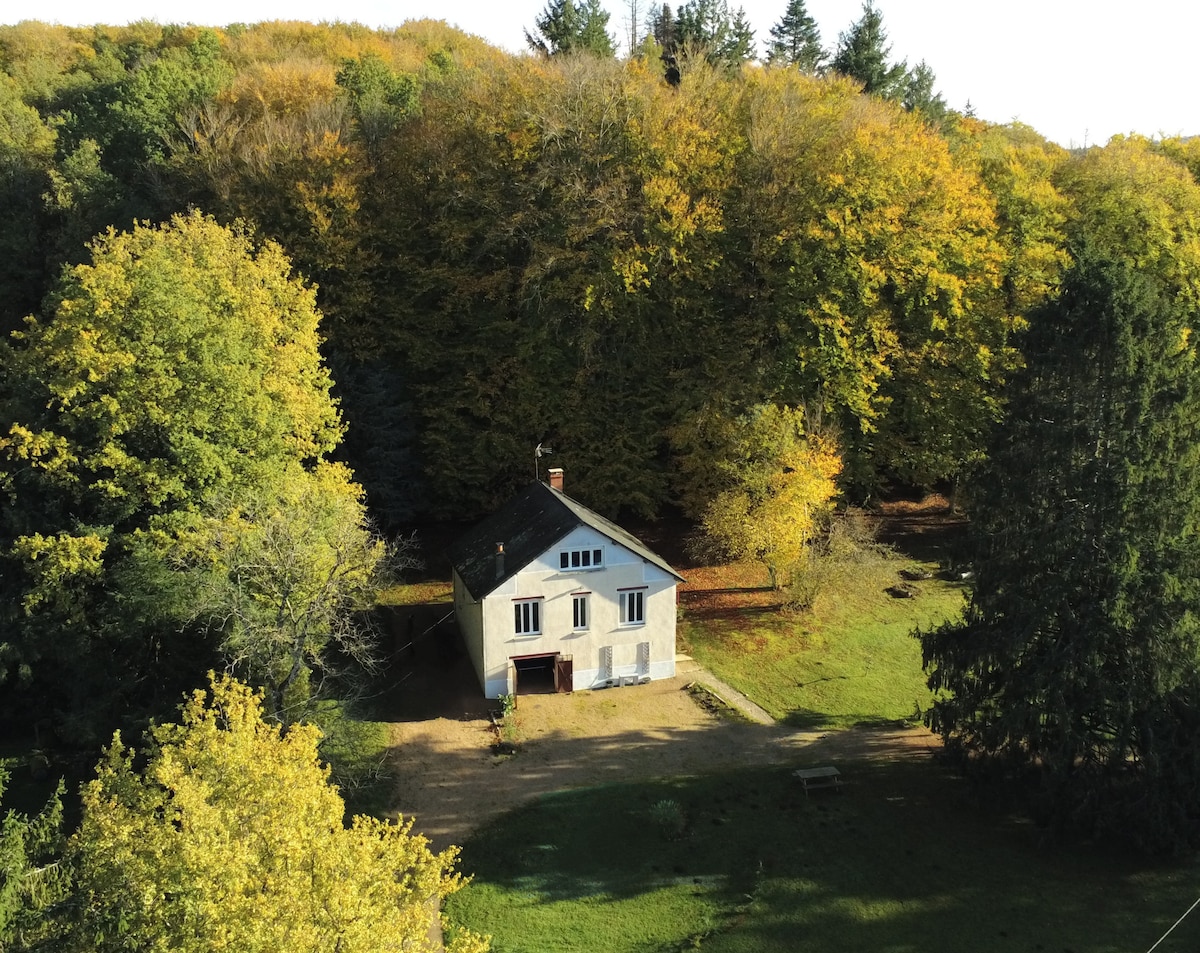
(272, 293)
(561, 249)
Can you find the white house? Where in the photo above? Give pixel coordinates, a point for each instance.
(545, 590)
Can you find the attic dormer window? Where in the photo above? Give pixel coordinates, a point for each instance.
(581, 559)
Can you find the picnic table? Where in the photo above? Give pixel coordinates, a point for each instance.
(812, 778)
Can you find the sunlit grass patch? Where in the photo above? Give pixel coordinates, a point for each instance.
(848, 658)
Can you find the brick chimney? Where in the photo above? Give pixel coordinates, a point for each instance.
(556, 478)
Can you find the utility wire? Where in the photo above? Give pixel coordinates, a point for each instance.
(1174, 925)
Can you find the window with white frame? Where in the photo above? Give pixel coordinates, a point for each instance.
(579, 610)
(528, 614)
(591, 558)
(633, 606)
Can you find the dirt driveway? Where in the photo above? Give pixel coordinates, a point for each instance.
(450, 781)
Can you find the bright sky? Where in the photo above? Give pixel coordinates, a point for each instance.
(1078, 71)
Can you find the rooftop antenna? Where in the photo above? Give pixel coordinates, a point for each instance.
(538, 453)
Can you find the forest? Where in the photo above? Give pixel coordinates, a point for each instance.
(396, 262)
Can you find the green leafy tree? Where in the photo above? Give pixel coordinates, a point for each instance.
(862, 54)
(33, 877)
(26, 158)
(83, 198)
(379, 97)
(285, 576)
(796, 41)
(117, 127)
(180, 366)
(162, 87)
(567, 27)
(225, 833)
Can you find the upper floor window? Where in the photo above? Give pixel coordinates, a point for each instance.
(633, 606)
(528, 614)
(581, 558)
(579, 609)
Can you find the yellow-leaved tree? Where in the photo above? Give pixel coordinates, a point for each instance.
(225, 834)
(780, 481)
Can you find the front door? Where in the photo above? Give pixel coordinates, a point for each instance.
(564, 679)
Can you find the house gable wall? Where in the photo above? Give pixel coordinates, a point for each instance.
(469, 615)
(555, 589)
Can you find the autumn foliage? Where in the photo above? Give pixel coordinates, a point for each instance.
(225, 834)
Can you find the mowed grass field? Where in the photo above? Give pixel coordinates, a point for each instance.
(850, 659)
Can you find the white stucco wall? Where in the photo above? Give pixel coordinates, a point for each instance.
(621, 569)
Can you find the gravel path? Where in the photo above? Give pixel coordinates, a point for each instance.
(687, 667)
(451, 782)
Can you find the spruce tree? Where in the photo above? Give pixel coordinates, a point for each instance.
(724, 35)
(566, 27)
(1077, 655)
(919, 95)
(738, 43)
(665, 30)
(862, 54)
(795, 40)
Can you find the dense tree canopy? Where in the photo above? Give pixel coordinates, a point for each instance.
(642, 270)
(177, 373)
(505, 245)
(699, 228)
(225, 833)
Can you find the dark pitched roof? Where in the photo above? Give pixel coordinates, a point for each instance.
(528, 525)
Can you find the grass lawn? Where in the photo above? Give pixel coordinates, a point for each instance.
(848, 660)
(905, 861)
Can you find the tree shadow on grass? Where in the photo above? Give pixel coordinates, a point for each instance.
(937, 537)
(729, 613)
(902, 858)
(805, 719)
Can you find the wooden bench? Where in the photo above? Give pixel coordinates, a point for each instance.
(813, 778)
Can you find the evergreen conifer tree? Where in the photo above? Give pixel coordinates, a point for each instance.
(919, 95)
(862, 54)
(665, 30)
(795, 40)
(724, 35)
(1077, 655)
(567, 27)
